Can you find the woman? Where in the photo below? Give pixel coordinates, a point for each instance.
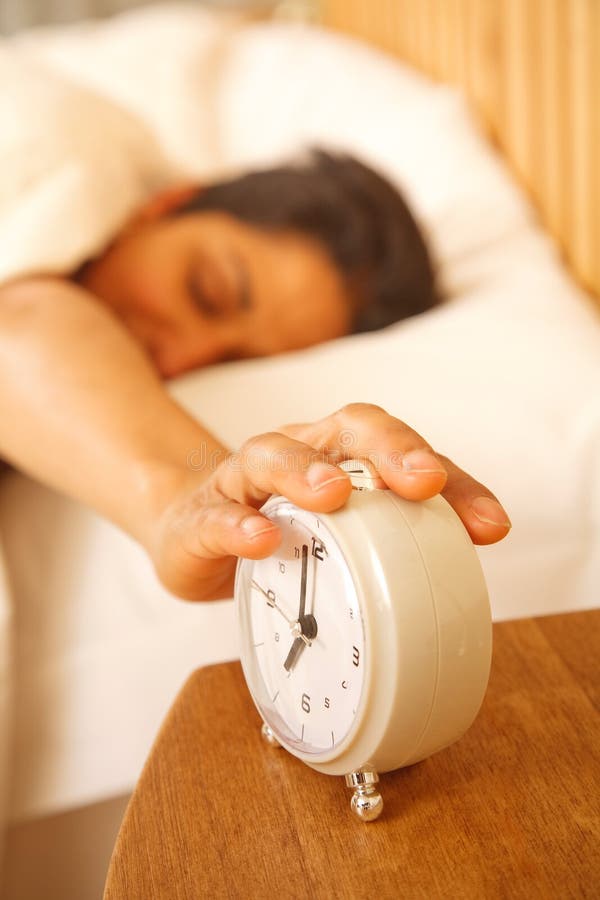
(265, 263)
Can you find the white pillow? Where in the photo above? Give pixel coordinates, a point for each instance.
(74, 167)
(161, 62)
(285, 87)
(221, 98)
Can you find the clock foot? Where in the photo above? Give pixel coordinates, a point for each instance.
(269, 736)
(366, 802)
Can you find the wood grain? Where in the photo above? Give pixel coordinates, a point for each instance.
(531, 69)
(511, 810)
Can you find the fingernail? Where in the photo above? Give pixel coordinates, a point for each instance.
(490, 512)
(253, 526)
(421, 462)
(321, 474)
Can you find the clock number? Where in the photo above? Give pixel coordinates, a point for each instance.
(276, 637)
(351, 613)
(306, 703)
(270, 598)
(355, 656)
(317, 549)
(327, 702)
(282, 567)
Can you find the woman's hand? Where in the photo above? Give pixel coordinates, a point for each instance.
(214, 519)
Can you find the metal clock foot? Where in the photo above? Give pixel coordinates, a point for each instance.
(268, 736)
(367, 802)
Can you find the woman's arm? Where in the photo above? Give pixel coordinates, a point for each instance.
(82, 409)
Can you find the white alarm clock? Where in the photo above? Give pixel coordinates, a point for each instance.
(366, 637)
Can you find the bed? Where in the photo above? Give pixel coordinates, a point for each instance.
(508, 366)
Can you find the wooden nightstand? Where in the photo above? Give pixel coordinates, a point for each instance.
(511, 810)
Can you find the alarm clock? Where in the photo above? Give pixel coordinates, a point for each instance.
(365, 639)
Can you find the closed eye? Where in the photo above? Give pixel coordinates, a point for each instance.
(219, 290)
(207, 305)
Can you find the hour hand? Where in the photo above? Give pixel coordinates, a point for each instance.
(305, 631)
(295, 651)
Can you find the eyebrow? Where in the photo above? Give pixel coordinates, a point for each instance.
(244, 290)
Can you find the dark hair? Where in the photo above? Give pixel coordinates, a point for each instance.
(360, 219)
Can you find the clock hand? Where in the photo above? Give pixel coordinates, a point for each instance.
(305, 631)
(270, 597)
(303, 581)
(298, 631)
(295, 651)
(307, 625)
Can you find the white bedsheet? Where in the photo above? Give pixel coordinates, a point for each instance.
(505, 378)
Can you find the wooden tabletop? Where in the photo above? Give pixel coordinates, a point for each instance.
(511, 810)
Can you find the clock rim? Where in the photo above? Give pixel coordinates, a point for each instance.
(361, 518)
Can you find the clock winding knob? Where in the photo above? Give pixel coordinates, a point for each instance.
(363, 475)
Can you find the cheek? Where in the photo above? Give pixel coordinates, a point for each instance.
(149, 295)
(152, 284)
(301, 318)
(324, 317)
(301, 299)
(138, 277)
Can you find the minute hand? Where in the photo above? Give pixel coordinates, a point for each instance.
(302, 609)
(306, 623)
(301, 634)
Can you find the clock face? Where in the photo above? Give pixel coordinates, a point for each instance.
(303, 643)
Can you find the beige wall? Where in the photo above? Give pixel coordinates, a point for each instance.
(532, 71)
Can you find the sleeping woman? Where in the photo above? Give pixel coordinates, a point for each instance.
(271, 261)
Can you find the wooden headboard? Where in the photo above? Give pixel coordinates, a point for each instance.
(531, 69)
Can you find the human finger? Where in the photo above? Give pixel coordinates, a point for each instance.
(405, 460)
(481, 512)
(274, 463)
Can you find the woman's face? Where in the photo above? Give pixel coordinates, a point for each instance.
(205, 287)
